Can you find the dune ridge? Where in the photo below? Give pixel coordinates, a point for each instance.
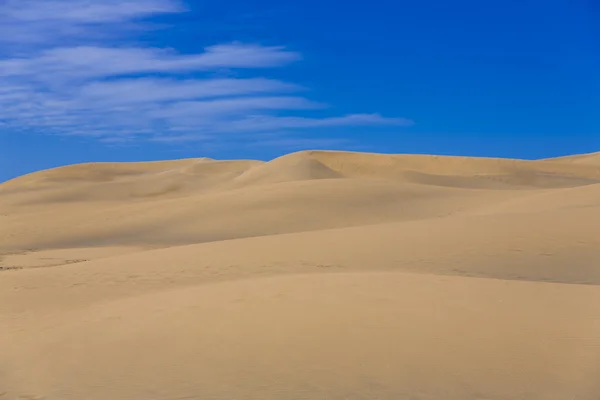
(162, 203)
(588, 159)
(316, 275)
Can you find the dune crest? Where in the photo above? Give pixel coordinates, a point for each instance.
(586, 159)
(293, 167)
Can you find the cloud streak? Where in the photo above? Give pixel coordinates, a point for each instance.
(146, 90)
(86, 11)
(65, 69)
(85, 62)
(44, 21)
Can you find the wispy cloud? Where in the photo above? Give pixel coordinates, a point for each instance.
(86, 11)
(69, 67)
(86, 62)
(43, 21)
(144, 90)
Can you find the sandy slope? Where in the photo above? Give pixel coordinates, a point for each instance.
(590, 159)
(319, 336)
(200, 200)
(318, 275)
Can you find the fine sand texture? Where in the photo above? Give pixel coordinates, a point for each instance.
(319, 275)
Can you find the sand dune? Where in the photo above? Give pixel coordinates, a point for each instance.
(200, 200)
(317, 275)
(319, 336)
(589, 159)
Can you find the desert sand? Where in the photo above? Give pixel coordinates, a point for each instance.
(319, 275)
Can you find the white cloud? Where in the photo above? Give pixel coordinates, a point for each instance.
(45, 21)
(145, 90)
(266, 123)
(69, 67)
(85, 11)
(85, 62)
(213, 109)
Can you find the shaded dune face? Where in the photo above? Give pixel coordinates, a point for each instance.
(317, 275)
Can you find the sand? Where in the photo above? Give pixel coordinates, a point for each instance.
(318, 275)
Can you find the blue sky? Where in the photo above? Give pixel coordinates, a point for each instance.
(129, 80)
